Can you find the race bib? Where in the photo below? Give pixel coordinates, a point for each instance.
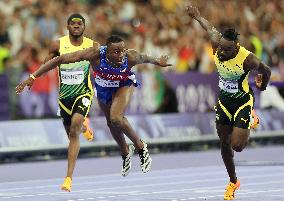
(106, 83)
(72, 77)
(228, 85)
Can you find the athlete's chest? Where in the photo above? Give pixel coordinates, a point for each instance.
(230, 70)
(68, 48)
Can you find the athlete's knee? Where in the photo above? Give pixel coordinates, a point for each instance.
(116, 121)
(238, 147)
(75, 129)
(110, 125)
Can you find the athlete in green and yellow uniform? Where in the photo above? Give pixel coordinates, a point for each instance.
(233, 110)
(235, 98)
(75, 89)
(75, 83)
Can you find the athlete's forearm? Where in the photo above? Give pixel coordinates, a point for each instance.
(144, 58)
(266, 73)
(56, 61)
(207, 26)
(51, 64)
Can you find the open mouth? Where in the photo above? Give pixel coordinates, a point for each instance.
(120, 60)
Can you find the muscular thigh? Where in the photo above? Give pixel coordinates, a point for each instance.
(224, 133)
(105, 109)
(240, 136)
(121, 100)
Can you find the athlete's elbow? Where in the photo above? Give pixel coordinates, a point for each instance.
(265, 70)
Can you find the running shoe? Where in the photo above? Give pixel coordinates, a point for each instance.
(126, 161)
(255, 120)
(88, 134)
(230, 190)
(145, 159)
(66, 186)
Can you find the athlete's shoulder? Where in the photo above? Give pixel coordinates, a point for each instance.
(244, 50)
(89, 42)
(89, 39)
(66, 37)
(54, 46)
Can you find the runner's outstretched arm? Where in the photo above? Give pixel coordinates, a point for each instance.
(89, 54)
(138, 58)
(213, 33)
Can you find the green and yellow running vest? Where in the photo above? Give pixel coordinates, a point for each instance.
(74, 78)
(233, 80)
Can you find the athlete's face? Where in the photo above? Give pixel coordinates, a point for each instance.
(226, 49)
(76, 28)
(116, 53)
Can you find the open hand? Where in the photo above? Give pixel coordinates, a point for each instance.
(28, 82)
(163, 61)
(192, 11)
(258, 80)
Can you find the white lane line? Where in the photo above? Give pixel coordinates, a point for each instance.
(95, 191)
(138, 173)
(164, 171)
(238, 194)
(178, 182)
(138, 179)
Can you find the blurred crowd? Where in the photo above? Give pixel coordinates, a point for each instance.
(152, 26)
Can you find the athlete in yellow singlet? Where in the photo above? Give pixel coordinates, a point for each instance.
(75, 89)
(235, 104)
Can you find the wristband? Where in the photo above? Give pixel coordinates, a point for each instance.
(32, 76)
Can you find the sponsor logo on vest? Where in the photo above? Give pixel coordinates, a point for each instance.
(228, 85)
(106, 83)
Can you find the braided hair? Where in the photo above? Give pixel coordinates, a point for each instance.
(230, 34)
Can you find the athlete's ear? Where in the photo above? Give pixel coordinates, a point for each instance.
(237, 45)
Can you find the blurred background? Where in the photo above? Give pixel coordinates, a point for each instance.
(173, 108)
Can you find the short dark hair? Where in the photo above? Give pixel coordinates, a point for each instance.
(74, 16)
(230, 34)
(113, 39)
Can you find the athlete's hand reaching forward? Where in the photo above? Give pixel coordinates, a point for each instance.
(258, 80)
(192, 11)
(28, 82)
(163, 61)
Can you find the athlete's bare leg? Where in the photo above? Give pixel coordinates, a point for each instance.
(225, 134)
(74, 142)
(116, 133)
(231, 138)
(67, 129)
(119, 104)
(240, 137)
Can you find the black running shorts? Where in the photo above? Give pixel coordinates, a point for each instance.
(80, 104)
(235, 112)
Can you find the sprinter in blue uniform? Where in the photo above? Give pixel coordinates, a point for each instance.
(115, 84)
